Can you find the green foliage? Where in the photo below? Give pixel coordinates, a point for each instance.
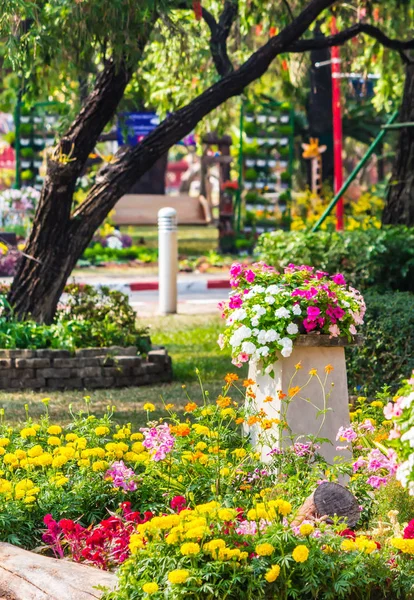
(99, 254)
(374, 258)
(92, 318)
(388, 348)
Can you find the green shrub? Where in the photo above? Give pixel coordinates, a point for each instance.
(388, 348)
(381, 258)
(91, 318)
(99, 254)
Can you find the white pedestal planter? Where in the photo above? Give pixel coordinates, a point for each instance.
(313, 352)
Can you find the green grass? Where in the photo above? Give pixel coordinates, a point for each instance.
(192, 240)
(191, 341)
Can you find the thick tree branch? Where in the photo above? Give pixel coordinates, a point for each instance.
(130, 163)
(219, 33)
(343, 36)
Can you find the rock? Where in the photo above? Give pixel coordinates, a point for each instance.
(28, 576)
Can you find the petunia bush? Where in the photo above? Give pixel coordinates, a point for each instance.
(268, 310)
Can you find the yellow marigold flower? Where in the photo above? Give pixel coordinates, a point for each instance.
(190, 407)
(84, 462)
(201, 429)
(59, 461)
(348, 546)
(5, 486)
(150, 588)
(102, 430)
(284, 508)
(60, 481)
(149, 407)
(264, 549)
(377, 404)
(272, 574)
(189, 549)
(207, 411)
(196, 533)
(54, 430)
(28, 432)
(178, 576)
(99, 465)
(228, 554)
(135, 542)
(44, 459)
(20, 454)
(329, 369)
(306, 529)
(300, 553)
(226, 514)
(53, 441)
(4, 442)
(406, 546)
(230, 378)
(213, 545)
(35, 451)
(136, 436)
(223, 401)
(71, 437)
(10, 459)
(225, 472)
(239, 453)
(327, 549)
(29, 499)
(313, 372)
(2, 451)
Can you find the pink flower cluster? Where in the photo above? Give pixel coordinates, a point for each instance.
(159, 440)
(122, 476)
(377, 461)
(346, 434)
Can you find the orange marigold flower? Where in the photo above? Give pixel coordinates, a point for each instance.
(268, 399)
(248, 382)
(281, 395)
(223, 401)
(267, 424)
(180, 430)
(253, 420)
(169, 406)
(239, 421)
(190, 407)
(329, 369)
(230, 378)
(251, 394)
(298, 366)
(293, 391)
(313, 372)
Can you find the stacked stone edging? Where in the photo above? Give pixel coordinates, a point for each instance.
(87, 368)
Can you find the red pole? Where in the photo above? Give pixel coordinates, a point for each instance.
(337, 128)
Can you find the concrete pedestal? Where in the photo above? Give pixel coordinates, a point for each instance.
(303, 418)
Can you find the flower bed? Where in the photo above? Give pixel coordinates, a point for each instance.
(183, 508)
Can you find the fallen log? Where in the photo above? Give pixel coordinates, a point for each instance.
(28, 576)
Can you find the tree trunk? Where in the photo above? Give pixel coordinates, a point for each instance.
(399, 209)
(58, 239)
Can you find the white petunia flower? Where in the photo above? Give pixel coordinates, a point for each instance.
(239, 314)
(296, 310)
(272, 335)
(248, 347)
(255, 322)
(269, 300)
(259, 310)
(264, 351)
(282, 313)
(292, 328)
(286, 352)
(286, 342)
(273, 289)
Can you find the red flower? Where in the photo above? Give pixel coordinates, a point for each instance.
(409, 531)
(178, 503)
(348, 533)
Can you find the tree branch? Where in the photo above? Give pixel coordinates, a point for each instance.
(343, 36)
(115, 178)
(219, 33)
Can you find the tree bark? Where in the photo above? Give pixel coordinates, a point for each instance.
(399, 209)
(58, 239)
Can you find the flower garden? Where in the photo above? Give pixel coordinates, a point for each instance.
(184, 506)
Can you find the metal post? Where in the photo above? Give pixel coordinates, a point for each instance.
(354, 173)
(167, 261)
(240, 179)
(337, 128)
(17, 179)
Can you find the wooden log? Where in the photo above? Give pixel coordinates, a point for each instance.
(28, 576)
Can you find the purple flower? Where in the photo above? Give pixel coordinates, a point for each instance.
(159, 440)
(313, 312)
(346, 433)
(121, 476)
(376, 482)
(339, 279)
(367, 425)
(360, 462)
(250, 276)
(235, 301)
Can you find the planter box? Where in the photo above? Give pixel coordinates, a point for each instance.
(89, 368)
(313, 352)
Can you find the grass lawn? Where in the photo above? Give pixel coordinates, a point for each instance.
(191, 341)
(192, 240)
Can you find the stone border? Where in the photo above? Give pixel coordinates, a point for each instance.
(88, 368)
(314, 339)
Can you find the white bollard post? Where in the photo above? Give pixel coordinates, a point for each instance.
(167, 260)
